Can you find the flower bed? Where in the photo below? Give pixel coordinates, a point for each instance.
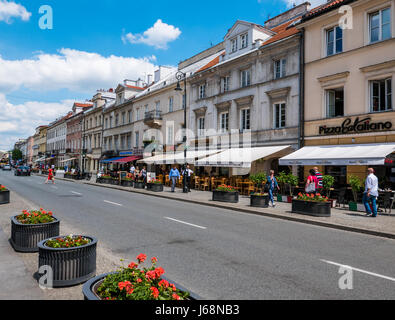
(226, 193)
(135, 283)
(313, 205)
(259, 200)
(72, 259)
(4, 195)
(31, 227)
(155, 185)
(105, 179)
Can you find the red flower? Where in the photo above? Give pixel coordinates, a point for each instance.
(159, 271)
(141, 257)
(164, 283)
(139, 280)
(132, 265)
(154, 260)
(155, 292)
(125, 284)
(175, 296)
(173, 287)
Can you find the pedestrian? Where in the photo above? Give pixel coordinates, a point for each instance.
(320, 185)
(371, 193)
(132, 169)
(312, 182)
(188, 173)
(50, 176)
(173, 176)
(143, 174)
(272, 184)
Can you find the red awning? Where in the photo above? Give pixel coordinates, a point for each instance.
(128, 159)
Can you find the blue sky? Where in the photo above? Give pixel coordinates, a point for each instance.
(97, 44)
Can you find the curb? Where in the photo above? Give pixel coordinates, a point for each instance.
(247, 211)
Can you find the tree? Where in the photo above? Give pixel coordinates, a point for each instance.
(356, 186)
(16, 154)
(291, 181)
(327, 183)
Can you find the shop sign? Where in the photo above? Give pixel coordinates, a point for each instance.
(358, 126)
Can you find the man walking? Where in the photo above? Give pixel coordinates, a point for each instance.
(188, 173)
(320, 184)
(371, 193)
(174, 175)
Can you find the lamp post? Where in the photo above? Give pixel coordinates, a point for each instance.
(182, 76)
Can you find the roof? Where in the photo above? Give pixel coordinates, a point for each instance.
(283, 31)
(133, 87)
(326, 7)
(212, 63)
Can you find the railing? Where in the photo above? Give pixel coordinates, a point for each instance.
(153, 115)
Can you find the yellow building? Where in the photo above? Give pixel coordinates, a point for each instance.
(349, 68)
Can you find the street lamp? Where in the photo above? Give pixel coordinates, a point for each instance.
(182, 76)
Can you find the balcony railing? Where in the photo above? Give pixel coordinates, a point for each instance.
(153, 115)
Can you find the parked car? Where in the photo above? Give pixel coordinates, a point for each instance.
(7, 167)
(22, 171)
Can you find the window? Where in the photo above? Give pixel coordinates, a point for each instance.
(279, 68)
(137, 114)
(106, 123)
(225, 84)
(334, 41)
(244, 40)
(381, 95)
(279, 115)
(202, 91)
(110, 121)
(123, 118)
(224, 122)
(245, 119)
(245, 78)
(335, 102)
(129, 116)
(233, 45)
(380, 25)
(129, 141)
(157, 106)
(170, 135)
(171, 100)
(96, 121)
(201, 126)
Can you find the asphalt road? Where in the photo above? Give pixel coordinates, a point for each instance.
(221, 254)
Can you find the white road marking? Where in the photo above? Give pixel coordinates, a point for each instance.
(359, 270)
(187, 223)
(77, 193)
(114, 203)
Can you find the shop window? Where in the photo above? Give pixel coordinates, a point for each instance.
(334, 41)
(381, 95)
(339, 173)
(335, 102)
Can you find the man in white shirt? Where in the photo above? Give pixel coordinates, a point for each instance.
(188, 172)
(132, 169)
(371, 193)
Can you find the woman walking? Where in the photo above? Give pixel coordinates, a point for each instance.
(50, 176)
(272, 184)
(312, 182)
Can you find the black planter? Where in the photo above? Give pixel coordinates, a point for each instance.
(90, 287)
(99, 180)
(317, 209)
(106, 180)
(223, 196)
(25, 237)
(5, 197)
(70, 266)
(127, 183)
(114, 181)
(139, 185)
(155, 187)
(259, 201)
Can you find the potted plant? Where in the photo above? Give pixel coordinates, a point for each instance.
(135, 283)
(259, 180)
(72, 259)
(259, 200)
(225, 193)
(356, 186)
(312, 205)
(127, 182)
(115, 180)
(4, 195)
(139, 183)
(31, 227)
(106, 178)
(291, 181)
(281, 180)
(327, 183)
(155, 185)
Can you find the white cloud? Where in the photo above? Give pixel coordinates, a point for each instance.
(9, 10)
(71, 69)
(20, 120)
(314, 3)
(158, 36)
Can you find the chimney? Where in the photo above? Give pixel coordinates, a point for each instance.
(149, 79)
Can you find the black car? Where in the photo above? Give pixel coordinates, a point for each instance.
(22, 171)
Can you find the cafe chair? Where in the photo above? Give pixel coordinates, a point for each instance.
(385, 202)
(167, 180)
(196, 182)
(205, 185)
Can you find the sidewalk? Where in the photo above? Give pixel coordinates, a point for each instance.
(343, 219)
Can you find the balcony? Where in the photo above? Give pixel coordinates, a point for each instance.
(153, 119)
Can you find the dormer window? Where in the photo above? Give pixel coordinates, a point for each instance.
(244, 40)
(233, 45)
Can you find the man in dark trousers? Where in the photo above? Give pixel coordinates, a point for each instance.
(188, 173)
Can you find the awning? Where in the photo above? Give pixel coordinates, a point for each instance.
(40, 160)
(127, 159)
(111, 160)
(179, 157)
(68, 160)
(239, 157)
(340, 155)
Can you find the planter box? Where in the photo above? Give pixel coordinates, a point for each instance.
(105, 180)
(70, 266)
(115, 182)
(25, 237)
(223, 196)
(127, 183)
(90, 287)
(352, 206)
(5, 197)
(317, 209)
(259, 201)
(139, 185)
(155, 187)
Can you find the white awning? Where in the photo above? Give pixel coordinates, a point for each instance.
(41, 159)
(68, 160)
(239, 157)
(340, 155)
(178, 157)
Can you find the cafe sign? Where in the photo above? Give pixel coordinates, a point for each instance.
(357, 126)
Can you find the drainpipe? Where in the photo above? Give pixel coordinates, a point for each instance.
(301, 89)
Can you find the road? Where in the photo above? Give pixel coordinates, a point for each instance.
(221, 254)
